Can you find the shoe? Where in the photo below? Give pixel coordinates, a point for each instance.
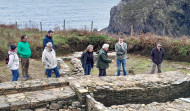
(24, 78)
(28, 77)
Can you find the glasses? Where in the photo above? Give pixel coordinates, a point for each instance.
(159, 46)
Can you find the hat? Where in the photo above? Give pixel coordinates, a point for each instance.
(13, 47)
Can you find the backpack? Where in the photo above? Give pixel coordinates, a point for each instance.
(7, 59)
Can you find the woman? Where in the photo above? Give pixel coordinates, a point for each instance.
(50, 61)
(13, 63)
(87, 60)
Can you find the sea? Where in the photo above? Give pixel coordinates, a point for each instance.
(77, 14)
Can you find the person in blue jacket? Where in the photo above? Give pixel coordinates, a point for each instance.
(48, 38)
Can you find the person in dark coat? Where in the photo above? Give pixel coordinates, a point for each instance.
(157, 55)
(87, 60)
(48, 38)
(102, 60)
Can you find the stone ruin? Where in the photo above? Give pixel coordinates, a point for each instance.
(169, 91)
(74, 59)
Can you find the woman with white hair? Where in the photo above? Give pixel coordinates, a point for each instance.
(50, 61)
(102, 60)
(87, 60)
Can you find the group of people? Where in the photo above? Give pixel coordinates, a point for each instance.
(87, 58)
(49, 59)
(23, 49)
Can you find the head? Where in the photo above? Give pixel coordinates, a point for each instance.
(24, 38)
(13, 48)
(49, 45)
(89, 48)
(159, 45)
(121, 39)
(105, 47)
(50, 33)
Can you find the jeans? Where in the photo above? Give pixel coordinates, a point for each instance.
(102, 72)
(15, 75)
(87, 69)
(154, 66)
(123, 62)
(56, 70)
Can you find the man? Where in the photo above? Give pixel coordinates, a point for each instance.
(50, 61)
(48, 38)
(102, 60)
(157, 55)
(23, 49)
(121, 50)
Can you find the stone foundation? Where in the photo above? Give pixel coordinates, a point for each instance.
(133, 92)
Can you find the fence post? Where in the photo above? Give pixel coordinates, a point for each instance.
(91, 26)
(41, 26)
(64, 24)
(16, 25)
(132, 30)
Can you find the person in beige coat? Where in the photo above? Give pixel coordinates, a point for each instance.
(50, 61)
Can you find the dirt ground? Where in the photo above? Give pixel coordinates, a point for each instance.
(135, 65)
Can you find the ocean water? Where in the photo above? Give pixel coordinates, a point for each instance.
(77, 13)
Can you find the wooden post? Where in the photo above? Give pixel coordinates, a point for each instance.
(64, 24)
(41, 26)
(16, 25)
(132, 30)
(91, 26)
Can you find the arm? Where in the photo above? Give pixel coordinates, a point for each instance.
(104, 59)
(163, 55)
(124, 49)
(118, 52)
(44, 61)
(19, 50)
(82, 57)
(44, 43)
(11, 57)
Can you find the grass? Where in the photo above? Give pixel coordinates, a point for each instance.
(142, 65)
(138, 64)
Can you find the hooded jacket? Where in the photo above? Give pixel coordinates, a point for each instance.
(13, 63)
(157, 56)
(103, 61)
(49, 58)
(46, 40)
(23, 49)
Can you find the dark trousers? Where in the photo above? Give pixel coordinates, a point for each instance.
(154, 67)
(56, 70)
(102, 72)
(15, 75)
(25, 66)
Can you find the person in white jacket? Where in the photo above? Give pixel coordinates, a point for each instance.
(13, 63)
(50, 61)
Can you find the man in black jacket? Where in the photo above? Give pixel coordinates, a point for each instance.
(157, 55)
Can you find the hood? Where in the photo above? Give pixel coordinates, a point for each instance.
(11, 52)
(46, 49)
(101, 50)
(48, 37)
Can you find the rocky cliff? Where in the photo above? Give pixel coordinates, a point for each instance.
(168, 17)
